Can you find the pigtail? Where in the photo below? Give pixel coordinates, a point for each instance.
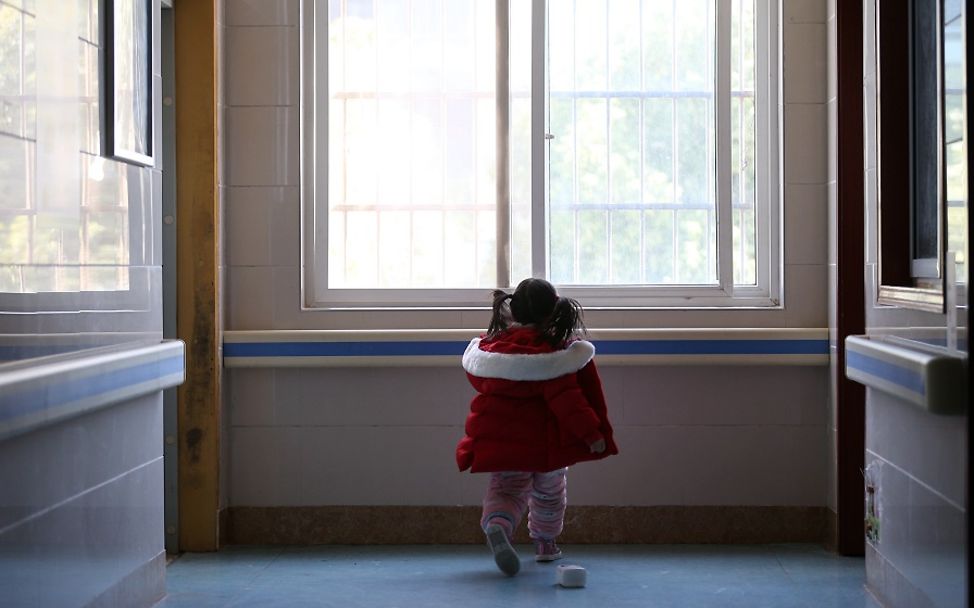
(564, 322)
(499, 321)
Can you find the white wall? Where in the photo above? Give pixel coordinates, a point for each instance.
(689, 435)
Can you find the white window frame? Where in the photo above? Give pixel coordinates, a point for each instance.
(768, 193)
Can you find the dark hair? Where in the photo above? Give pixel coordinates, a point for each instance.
(535, 302)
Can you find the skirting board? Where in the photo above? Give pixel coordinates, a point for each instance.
(407, 525)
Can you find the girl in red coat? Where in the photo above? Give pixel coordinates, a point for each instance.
(539, 409)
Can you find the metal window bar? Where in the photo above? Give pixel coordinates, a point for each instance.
(539, 141)
(725, 255)
(502, 93)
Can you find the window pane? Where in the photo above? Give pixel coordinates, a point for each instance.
(657, 51)
(591, 56)
(658, 252)
(562, 245)
(591, 153)
(658, 151)
(743, 160)
(625, 247)
(624, 46)
(412, 153)
(561, 152)
(593, 241)
(634, 144)
(624, 151)
(693, 42)
(394, 255)
(694, 239)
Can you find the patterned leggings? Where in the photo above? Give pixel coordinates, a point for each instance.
(512, 493)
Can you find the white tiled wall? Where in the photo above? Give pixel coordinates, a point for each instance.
(366, 436)
(699, 435)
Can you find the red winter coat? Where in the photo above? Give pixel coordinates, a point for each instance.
(538, 408)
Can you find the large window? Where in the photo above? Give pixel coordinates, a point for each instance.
(637, 142)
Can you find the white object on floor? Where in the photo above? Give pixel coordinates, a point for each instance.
(570, 575)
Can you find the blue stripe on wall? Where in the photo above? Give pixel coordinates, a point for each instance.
(712, 347)
(20, 403)
(342, 349)
(602, 347)
(900, 376)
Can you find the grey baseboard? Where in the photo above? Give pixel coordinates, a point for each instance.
(401, 525)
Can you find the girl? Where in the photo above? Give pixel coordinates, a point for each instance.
(539, 409)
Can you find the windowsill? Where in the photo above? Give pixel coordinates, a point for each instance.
(444, 347)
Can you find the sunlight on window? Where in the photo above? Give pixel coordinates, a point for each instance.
(631, 167)
(412, 153)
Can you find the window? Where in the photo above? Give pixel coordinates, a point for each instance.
(63, 228)
(921, 151)
(637, 142)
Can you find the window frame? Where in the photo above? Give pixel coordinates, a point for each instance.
(901, 278)
(769, 259)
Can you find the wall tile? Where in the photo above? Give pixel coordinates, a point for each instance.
(832, 68)
(262, 146)
(934, 450)
(262, 12)
(378, 466)
(248, 230)
(649, 470)
(674, 396)
(77, 550)
(832, 111)
(284, 226)
(806, 143)
(804, 11)
(937, 532)
(252, 298)
(805, 57)
(833, 202)
(831, 483)
(833, 271)
(724, 468)
(806, 224)
(265, 466)
(57, 463)
(261, 66)
(343, 397)
(251, 397)
(806, 295)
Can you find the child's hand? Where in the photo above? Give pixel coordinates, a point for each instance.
(598, 447)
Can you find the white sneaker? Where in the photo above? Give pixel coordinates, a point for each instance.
(504, 554)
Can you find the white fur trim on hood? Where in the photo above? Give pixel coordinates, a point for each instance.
(544, 366)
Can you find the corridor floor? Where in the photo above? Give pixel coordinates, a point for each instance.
(679, 576)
